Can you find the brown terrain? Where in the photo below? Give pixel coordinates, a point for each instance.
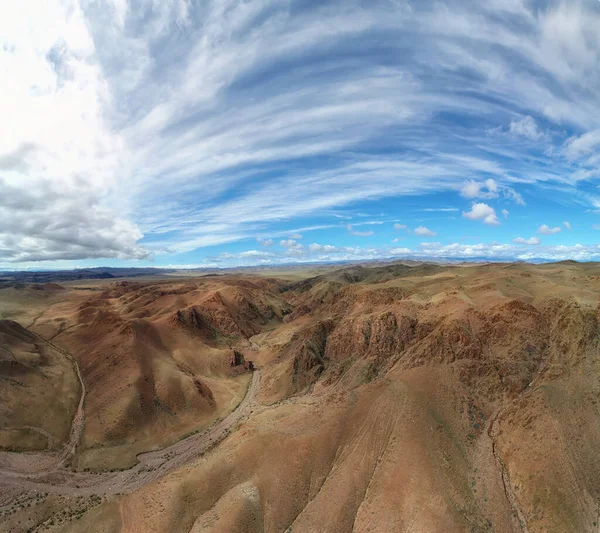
(395, 398)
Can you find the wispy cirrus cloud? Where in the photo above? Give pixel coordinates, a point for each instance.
(163, 127)
(352, 231)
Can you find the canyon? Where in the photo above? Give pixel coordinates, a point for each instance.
(413, 397)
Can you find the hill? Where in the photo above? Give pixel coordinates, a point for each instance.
(385, 398)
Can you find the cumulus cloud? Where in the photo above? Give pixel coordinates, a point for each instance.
(53, 222)
(265, 242)
(433, 251)
(526, 127)
(474, 189)
(505, 213)
(544, 229)
(422, 231)
(577, 252)
(293, 248)
(400, 226)
(59, 196)
(296, 236)
(483, 212)
(324, 248)
(567, 225)
(488, 190)
(531, 240)
(583, 144)
(254, 254)
(401, 251)
(352, 231)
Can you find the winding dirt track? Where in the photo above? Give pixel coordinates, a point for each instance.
(27, 464)
(79, 418)
(46, 472)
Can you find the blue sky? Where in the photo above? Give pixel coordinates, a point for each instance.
(223, 133)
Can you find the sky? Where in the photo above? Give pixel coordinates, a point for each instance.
(217, 133)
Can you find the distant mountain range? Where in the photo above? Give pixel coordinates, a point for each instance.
(47, 276)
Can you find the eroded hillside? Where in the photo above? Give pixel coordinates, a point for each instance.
(390, 398)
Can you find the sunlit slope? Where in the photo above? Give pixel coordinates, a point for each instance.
(39, 391)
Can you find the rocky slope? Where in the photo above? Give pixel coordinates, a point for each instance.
(392, 398)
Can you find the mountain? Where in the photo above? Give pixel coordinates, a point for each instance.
(374, 397)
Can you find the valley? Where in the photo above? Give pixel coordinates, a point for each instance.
(387, 397)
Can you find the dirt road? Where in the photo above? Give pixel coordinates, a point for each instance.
(26, 464)
(150, 467)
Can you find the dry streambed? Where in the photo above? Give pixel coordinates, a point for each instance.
(45, 472)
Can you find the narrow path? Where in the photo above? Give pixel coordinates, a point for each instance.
(51, 440)
(150, 467)
(79, 418)
(43, 463)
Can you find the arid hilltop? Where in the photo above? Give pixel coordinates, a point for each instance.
(388, 398)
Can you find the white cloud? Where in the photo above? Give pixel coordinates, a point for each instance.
(352, 231)
(370, 223)
(289, 243)
(424, 232)
(531, 240)
(174, 120)
(474, 189)
(426, 250)
(295, 236)
(293, 248)
(505, 213)
(324, 248)
(544, 229)
(441, 209)
(483, 212)
(567, 225)
(513, 195)
(255, 253)
(526, 127)
(264, 242)
(577, 252)
(596, 227)
(583, 144)
(401, 251)
(400, 226)
(59, 160)
(488, 190)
